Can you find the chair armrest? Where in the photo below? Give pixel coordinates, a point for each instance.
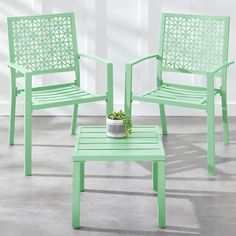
(28, 81)
(95, 58)
(109, 70)
(129, 75)
(220, 67)
(143, 58)
(19, 68)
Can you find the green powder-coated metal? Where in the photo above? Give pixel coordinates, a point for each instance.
(47, 44)
(144, 144)
(190, 44)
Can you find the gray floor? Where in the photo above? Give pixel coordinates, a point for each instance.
(118, 199)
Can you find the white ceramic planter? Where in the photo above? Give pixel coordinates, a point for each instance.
(115, 128)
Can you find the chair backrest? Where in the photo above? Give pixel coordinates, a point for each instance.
(192, 43)
(43, 44)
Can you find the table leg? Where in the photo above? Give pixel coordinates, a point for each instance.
(161, 195)
(154, 175)
(76, 195)
(82, 176)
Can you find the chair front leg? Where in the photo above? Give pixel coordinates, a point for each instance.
(109, 104)
(211, 125)
(109, 101)
(163, 119)
(28, 126)
(128, 107)
(13, 107)
(12, 119)
(74, 119)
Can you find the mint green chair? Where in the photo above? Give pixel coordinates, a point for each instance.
(195, 45)
(47, 44)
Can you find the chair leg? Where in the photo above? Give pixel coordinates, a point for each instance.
(12, 120)
(82, 176)
(163, 119)
(74, 119)
(128, 109)
(109, 100)
(211, 140)
(154, 175)
(76, 195)
(128, 90)
(28, 141)
(109, 106)
(225, 118)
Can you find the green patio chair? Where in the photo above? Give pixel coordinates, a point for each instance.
(196, 45)
(47, 44)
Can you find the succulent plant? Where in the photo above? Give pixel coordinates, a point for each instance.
(120, 115)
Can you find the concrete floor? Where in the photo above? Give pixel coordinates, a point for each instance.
(118, 198)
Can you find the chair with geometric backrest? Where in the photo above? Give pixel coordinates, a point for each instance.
(196, 45)
(47, 44)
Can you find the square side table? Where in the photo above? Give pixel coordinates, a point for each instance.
(144, 144)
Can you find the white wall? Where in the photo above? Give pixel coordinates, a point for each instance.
(118, 30)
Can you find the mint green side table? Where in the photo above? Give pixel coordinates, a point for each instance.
(144, 144)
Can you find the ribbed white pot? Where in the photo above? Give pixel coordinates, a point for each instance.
(115, 128)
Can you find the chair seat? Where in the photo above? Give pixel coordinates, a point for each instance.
(61, 95)
(177, 94)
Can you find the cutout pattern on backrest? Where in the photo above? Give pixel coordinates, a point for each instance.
(43, 43)
(192, 42)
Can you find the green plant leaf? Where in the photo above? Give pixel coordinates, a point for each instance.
(126, 120)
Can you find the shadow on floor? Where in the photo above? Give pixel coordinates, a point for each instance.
(170, 230)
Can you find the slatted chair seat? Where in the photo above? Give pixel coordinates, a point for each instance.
(60, 95)
(176, 94)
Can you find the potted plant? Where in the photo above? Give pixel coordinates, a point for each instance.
(118, 125)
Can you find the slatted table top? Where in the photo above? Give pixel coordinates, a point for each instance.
(144, 144)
